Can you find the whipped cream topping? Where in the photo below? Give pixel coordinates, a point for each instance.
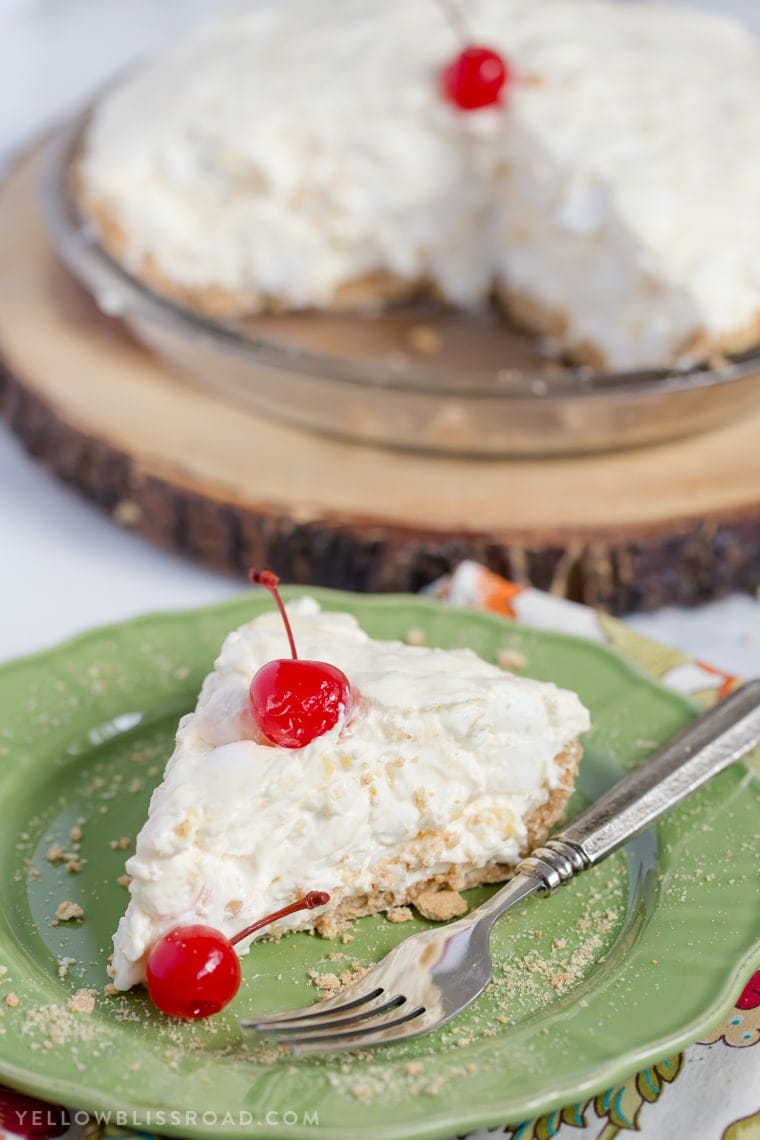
(438, 765)
(289, 149)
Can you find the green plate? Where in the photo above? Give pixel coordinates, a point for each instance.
(630, 962)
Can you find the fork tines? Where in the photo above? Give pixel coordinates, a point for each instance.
(321, 1024)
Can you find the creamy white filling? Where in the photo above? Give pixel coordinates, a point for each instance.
(283, 151)
(438, 765)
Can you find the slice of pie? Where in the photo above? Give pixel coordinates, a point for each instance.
(444, 773)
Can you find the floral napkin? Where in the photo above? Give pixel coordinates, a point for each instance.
(711, 1091)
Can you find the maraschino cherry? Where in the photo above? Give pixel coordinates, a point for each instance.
(295, 701)
(477, 76)
(193, 971)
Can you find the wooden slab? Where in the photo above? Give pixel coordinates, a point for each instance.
(677, 523)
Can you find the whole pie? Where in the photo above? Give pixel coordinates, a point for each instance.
(303, 155)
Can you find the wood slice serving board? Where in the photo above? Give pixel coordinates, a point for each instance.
(676, 523)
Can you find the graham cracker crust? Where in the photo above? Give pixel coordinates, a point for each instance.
(378, 289)
(373, 291)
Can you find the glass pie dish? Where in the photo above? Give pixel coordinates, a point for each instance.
(417, 377)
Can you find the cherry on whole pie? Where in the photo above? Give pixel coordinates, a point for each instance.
(476, 78)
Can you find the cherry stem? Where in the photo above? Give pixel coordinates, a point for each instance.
(270, 581)
(455, 17)
(308, 902)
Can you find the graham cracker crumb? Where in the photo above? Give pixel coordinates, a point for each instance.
(55, 853)
(415, 636)
(334, 983)
(399, 914)
(121, 844)
(3, 971)
(59, 1023)
(75, 835)
(83, 1001)
(11, 1000)
(329, 983)
(109, 989)
(363, 1092)
(346, 937)
(424, 340)
(124, 880)
(74, 866)
(413, 1068)
(440, 905)
(511, 659)
(68, 911)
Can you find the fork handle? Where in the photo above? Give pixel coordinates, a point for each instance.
(698, 752)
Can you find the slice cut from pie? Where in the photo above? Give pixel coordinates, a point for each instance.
(445, 772)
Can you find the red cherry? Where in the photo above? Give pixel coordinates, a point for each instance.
(294, 701)
(193, 971)
(475, 78)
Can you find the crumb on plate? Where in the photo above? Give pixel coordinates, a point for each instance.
(68, 911)
(440, 905)
(399, 914)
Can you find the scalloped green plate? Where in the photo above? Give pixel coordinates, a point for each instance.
(635, 959)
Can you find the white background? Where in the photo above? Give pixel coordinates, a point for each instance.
(65, 567)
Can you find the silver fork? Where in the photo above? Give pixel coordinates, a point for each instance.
(432, 976)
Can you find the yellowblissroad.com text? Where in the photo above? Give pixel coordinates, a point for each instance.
(175, 1118)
